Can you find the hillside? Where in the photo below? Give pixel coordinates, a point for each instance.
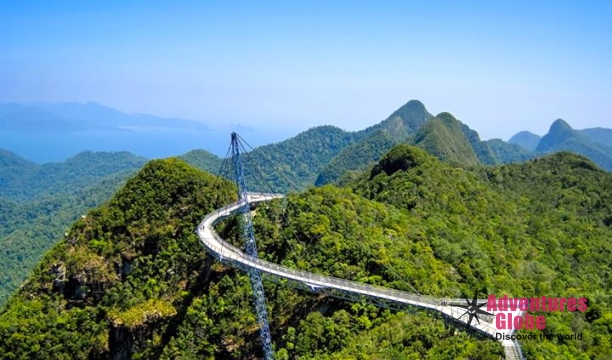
(506, 153)
(537, 228)
(526, 140)
(31, 229)
(561, 137)
(39, 202)
(444, 138)
(399, 127)
(13, 167)
(23, 181)
(404, 121)
(413, 124)
(357, 156)
(602, 136)
(288, 165)
(132, 280)
(204, 160)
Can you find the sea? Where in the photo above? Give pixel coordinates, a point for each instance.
(150, 143)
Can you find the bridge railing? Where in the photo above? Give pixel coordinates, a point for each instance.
(226, 251)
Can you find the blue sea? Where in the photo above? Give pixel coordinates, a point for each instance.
(149, 143)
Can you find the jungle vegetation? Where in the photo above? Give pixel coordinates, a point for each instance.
(131, 280)
(39, 202)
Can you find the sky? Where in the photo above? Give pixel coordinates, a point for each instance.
(500, 67)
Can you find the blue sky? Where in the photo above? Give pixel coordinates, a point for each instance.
(499, 68)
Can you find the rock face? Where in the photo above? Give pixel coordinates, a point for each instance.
(59, 271)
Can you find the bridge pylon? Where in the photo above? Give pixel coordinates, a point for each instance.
(248, 235)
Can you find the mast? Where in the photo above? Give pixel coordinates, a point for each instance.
(248, 235)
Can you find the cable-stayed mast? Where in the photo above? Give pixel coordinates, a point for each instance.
(251, 248)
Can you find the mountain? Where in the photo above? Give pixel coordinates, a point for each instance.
(561, 137)
(39, 202)
(356, 156)
(32, 119)
(321, 154)
(72, 116)
(506, 153)
(131, 280)
(375, 141)
(13, 166)
(404, 121)
(412, 124)
(482, 149)
(204, 160)
(288, 165)
(78, 172)
(526, 140)
(559, 132)
(444, 138)
(44, 132)
(512, 212)
(602, 136)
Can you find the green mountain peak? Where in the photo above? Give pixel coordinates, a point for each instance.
(526, 140)
(443, 137)
(400, 158)
(406, 120)
(561, 137)
(559, 132)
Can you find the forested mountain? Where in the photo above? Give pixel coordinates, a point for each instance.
(335, 155)
(25, 181)
(323, 154)
(132, 280)
(482, 149)
(442, 135)
(376, 140)
(318, 156)
(39, 202)
(13, 167)
(204, 160)
(594, 143)
(526, 140)
(562, 137)
(443, 138)
(330, 152)
(289, 165)
(357, 156)
(404, 121)
(602, 136)
(509, 153)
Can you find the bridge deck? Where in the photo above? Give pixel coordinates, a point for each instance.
(315, 282)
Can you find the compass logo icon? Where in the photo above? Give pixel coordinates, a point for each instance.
(472, 309)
